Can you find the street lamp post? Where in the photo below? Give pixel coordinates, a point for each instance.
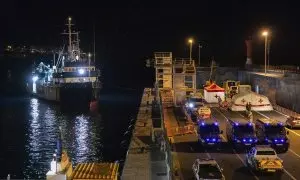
(89, 63)
(199, 55)
(265, 34)
(191, 47)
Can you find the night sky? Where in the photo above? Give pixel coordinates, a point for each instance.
(128, 32)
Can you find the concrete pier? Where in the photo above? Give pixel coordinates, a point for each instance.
(148, 156)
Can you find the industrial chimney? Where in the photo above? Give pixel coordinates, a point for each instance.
(249, 53)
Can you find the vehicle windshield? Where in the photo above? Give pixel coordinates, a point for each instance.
(274, 130)
(231, 84)
(196, 100)
(243, 130)
(265, 153)
(209, 171)
(209, 129)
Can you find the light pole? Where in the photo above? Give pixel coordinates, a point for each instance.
(265, 34)
(89, 63)
(199, 55)
(268, 52)
(191, 47)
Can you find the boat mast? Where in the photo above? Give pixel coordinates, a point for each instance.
(94, 44)
(70, 36)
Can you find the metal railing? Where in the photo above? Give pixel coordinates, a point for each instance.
(184, 61)
(285, 111)
(279, 69)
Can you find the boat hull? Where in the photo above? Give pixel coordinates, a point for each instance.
(68, 95)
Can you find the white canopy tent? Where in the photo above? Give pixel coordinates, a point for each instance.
(212, 92)
(258, 102)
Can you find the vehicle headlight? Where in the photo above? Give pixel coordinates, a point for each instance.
(191, 105)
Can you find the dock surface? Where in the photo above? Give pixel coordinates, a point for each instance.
(147, 154)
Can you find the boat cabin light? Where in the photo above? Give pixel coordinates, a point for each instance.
(81, 71)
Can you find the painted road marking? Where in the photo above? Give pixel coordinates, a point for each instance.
(240, 114)
(262, 114)
(294, 153)
(281, 113)
(207, 154)
(289, 174)
(223, 137)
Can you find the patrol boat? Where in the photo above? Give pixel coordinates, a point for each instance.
(73, 78)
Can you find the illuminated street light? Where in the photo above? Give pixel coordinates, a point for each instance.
(265, 34)
(191, 47)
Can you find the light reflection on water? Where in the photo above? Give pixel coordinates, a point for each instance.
(81, 137)
(29, 128)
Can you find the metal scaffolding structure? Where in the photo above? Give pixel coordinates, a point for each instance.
(178, 76)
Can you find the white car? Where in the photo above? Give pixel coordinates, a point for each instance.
(207, 169)
(264, 158)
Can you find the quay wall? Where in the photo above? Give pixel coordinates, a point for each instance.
(281, 89)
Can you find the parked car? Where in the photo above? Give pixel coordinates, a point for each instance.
(293, 122)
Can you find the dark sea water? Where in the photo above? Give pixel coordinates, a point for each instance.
(29, 128)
